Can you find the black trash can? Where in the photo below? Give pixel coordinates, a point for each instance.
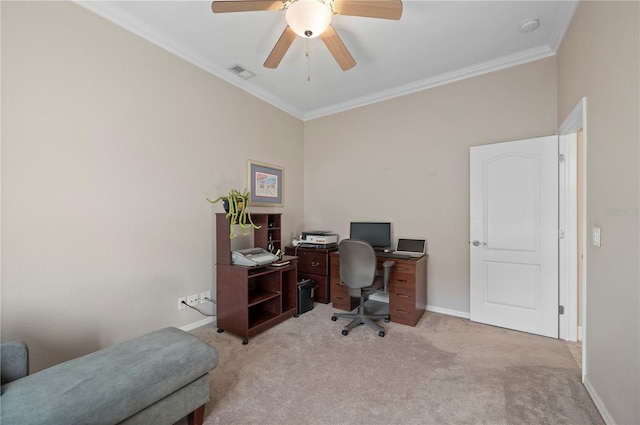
(306, 292)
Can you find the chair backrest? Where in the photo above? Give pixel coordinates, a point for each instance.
(357, 263)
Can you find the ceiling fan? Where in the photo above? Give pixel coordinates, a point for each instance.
(312, 18)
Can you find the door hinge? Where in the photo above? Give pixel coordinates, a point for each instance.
(560, 309)
(561, 158)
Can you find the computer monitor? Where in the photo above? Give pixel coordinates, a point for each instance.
(377, 234)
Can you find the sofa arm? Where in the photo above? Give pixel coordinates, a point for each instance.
(14, 361)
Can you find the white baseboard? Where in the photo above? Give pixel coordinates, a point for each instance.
(608, 419)
(456, 313)
(194, 325)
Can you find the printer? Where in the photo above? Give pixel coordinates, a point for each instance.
(318, 239)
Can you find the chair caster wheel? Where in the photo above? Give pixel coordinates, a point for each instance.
(381, 333)
(296, 315)
(345, 332)
(245, 341)
(334, 318)
(387, 319)
(220, 330)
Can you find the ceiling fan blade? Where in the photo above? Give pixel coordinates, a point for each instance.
(383, 9)
(245, 5)
(281, 47)
(337, 49)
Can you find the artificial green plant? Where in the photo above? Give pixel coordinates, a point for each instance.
(238, 211)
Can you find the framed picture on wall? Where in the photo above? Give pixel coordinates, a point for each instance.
(266, 184)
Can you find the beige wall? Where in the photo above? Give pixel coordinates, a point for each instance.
(109, 147)
(110, 144)
(406, 161)
(599, 58)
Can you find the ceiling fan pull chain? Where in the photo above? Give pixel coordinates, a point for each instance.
(306, 52)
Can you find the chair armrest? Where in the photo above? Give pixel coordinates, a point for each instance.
(14, 361)
(386, 267)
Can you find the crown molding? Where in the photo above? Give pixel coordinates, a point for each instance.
(508, 61)
(564, 21)
(109, 11)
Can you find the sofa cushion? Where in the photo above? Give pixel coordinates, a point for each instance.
(14, 361)
(109, 385)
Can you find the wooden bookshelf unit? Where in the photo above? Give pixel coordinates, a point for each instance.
(250, 300)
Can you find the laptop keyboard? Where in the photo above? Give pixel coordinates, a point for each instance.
(392, 255)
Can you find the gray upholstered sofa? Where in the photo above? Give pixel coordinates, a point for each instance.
(158, 378)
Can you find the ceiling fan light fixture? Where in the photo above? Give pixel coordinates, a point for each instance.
(308, 18)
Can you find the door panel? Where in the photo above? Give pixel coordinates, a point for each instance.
(513, 230)
(511, 217)
(503, 289)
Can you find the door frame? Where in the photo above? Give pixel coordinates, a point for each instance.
(568, 237)
(574, 122)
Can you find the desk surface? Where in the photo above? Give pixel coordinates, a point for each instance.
(391, 258)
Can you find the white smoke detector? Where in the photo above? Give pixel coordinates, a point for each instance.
(530, 25)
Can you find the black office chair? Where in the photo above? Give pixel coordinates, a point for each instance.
(358, 272)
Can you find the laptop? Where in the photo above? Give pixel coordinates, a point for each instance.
(411, 247)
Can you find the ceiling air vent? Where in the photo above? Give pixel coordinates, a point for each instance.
(239, 70)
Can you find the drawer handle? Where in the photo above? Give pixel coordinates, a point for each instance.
(403, 296)
(403, 312)
(401, 268)
(339, 298)
(314, 264)
(401, 280)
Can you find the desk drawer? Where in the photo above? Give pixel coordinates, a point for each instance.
(405, 266)
(334, 261)
(340, 297)
(341, 300)
(403, 306)
(400, 296)
(312, 262)
(398, 314)
(402, 280)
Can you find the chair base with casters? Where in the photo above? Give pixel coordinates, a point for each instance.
(361, 318)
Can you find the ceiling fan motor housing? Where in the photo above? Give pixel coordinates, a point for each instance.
(308, 18)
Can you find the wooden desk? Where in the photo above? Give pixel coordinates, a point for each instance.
(407, 289)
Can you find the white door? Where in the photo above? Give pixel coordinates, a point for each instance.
(514, 235)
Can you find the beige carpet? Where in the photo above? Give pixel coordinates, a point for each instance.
(446, 370)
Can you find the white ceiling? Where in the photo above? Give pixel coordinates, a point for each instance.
(435, 42)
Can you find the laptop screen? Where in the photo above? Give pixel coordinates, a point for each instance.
(411, 245)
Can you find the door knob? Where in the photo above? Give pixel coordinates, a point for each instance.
(478, 243)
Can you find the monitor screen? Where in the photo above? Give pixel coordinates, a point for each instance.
(377, 234)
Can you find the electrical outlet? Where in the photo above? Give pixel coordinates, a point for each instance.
(204, 296)
(192, 299)
(180, 305)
